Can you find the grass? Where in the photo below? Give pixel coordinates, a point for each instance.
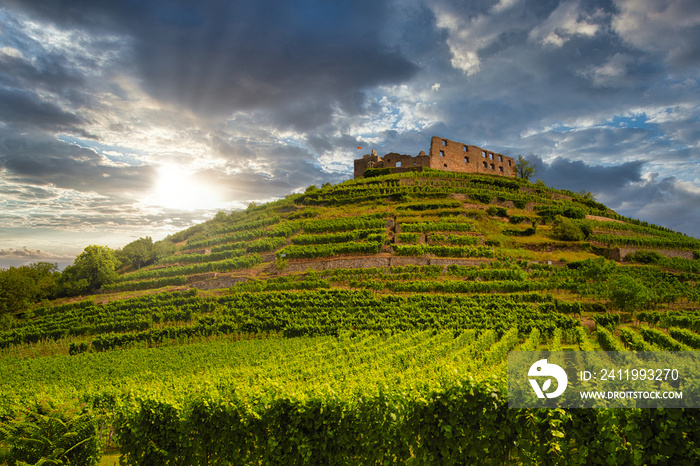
(110, 459)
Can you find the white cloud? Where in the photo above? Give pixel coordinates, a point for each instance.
(666, 26)
(612, 73)
(566, 21)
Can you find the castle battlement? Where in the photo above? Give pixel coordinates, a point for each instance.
(444, 155)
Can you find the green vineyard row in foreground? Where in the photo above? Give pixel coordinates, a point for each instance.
(422, 397)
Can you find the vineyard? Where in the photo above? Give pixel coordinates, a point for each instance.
(363, 323)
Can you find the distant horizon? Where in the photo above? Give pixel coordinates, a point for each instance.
(125, 120)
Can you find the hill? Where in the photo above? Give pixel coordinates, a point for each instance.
(359, 323)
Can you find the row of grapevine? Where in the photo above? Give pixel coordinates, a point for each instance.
(220, 266)
(677, 242)
(343, 237)
(426, 227)
(444, 251)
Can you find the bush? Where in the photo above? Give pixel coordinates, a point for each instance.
(645, 257)
(482, 198)
(497, 211)
(566, 230)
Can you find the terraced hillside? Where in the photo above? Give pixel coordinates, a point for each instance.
(362, 323)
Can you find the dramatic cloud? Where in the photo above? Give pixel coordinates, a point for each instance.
(127, 119)
(25, 252)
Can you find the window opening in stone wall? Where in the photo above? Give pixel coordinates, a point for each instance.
(445, 165)
(500, 158)
(444, 142)
(491, 156)
(493, 167)
(442, 153)
(398, 164)
(465, 149)
(486, 165)
(483, 153)
(509, 163)
(500, 169)
(466, 159)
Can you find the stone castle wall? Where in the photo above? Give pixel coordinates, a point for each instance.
(444, 155)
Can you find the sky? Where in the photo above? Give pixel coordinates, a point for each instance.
(121, 119)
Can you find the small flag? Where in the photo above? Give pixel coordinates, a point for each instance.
(359, 147)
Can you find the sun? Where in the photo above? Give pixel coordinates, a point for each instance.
(177, 189)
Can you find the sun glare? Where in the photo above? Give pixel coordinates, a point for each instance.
(178, 189)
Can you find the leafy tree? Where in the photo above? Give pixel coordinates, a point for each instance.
(566, 230)
(626, 293)
(524, 169)
(587, 195)
(163, 249)
(138, 253)
(22, 286)
(94, 267)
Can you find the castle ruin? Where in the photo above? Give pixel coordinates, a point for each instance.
(444, 155)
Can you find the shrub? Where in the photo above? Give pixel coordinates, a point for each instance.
(566, 230)
(497, 211)
(645, 257)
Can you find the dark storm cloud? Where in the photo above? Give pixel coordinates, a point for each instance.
(23, 109)
(41, 160)
(665, 201)
(49, 72)
(218, 57)
(576, 175)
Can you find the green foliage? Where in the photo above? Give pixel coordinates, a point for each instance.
(410, 238)
(138, 253)
(48, 434)
(431, 205)
(497, 211)
(662, 340)
(566, 230)
(444, 251)
(22, 286)
(484, 198)
(332, 249)
(628, 294)
(607, 320)
(634, 340)
(372, 172)
(94, 267)
(516, 219)
(427, 227)
(685, 336)
(607, 340)
(644, 257)
(524, 169)
(344, 224)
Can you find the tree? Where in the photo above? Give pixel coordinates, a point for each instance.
(138, 253)
(94, 267)
(587, 195)
(628, 294)
(566, 230)
(22, 286)
(524, 169)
